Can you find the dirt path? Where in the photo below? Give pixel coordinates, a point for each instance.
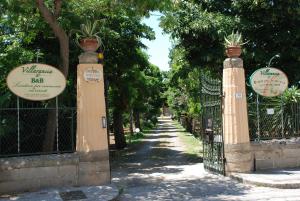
(159, 158)
(159, 169)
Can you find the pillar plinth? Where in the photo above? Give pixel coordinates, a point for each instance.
(235, 118)
(92, 141)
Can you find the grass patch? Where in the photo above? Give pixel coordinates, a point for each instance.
(134, 138)
(193, 145)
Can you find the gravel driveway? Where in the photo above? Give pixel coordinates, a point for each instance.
(159, 169)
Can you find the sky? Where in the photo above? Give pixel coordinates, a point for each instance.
(158, 49)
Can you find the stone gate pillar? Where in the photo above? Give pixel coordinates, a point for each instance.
(235, 118)
(92, 140)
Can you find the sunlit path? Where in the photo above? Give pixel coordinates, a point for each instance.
(159, 170)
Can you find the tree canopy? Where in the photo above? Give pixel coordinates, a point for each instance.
(44, 25)
(269, 27)
(198, 29)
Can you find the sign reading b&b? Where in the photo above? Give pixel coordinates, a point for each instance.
(36, 82)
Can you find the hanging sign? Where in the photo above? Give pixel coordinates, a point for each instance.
(36, 82)
(269, 82)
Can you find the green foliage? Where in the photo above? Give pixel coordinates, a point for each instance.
(199, 27)
(133, 83)
(135, 138)
(291, 95)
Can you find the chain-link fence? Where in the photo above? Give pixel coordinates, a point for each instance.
(29, 128)
(273, 119)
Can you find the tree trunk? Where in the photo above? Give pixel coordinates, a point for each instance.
(189, 124)
(59, 32)
(137, 121)
(120, 140)
(50, 132)
(51, 19)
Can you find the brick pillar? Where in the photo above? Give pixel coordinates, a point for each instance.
(235, 118)
(92, 141)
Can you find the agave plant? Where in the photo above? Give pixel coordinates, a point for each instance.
(89, 30)
(235, 39)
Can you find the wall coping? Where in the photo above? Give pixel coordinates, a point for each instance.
(283, 143)
(38, 161)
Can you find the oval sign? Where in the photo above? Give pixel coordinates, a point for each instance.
(269, 82)
(36, 82)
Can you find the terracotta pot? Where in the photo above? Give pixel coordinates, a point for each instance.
(233, 51)
(89, 44)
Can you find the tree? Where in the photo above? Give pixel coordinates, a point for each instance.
(51, 18)
(121, 33)
(199, 28)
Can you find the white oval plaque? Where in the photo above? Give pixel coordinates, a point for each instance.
(269, 82)
(36, 82)
(92, 75)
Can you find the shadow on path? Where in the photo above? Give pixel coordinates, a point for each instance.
(160, 169)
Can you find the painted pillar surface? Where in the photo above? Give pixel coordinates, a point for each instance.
(92, 141)
(236, 128)
(90, 110)
(235, 118)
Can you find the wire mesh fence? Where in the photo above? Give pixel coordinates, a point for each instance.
(31, 128)
(273, 119)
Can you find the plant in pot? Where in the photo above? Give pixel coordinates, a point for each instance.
(87, 36)
(233, 43)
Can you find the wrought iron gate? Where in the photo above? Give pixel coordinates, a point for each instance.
(212, 129)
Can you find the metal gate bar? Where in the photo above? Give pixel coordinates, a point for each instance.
(212, 132)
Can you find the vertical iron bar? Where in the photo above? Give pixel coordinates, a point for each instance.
(72, 130)
(18, 110)
(258, 116)
(298, 118)
(37, 55)
(56, 110)
(202, 117)
(282, 118)
(222, 129)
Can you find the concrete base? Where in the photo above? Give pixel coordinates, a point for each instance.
(36, 172)
(239, 158)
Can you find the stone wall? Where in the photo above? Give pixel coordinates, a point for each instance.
(248, 157)
(36, 172)
(276, 154)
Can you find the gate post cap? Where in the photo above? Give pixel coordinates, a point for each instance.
(233, 63)
(88, 58)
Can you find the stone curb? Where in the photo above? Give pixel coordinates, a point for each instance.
(290, 185)
(93, 193)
